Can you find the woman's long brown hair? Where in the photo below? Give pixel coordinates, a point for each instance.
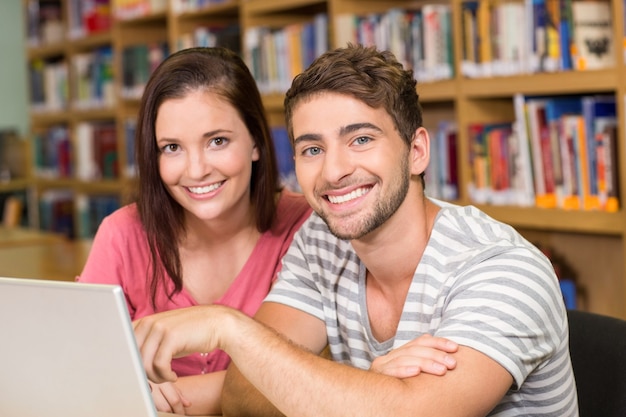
(218, 71)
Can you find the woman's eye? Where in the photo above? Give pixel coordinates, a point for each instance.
(170, 147)
(219, 141)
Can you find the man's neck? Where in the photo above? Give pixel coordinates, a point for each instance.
(392, 252)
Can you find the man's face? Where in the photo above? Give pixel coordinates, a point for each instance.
(351, 163)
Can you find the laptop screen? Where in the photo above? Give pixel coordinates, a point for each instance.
(68, 349)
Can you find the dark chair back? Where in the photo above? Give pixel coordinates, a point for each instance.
(598, 351)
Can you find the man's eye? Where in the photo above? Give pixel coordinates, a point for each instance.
(361, 140)
(312, 151)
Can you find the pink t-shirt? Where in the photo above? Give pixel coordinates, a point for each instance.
(120, 255)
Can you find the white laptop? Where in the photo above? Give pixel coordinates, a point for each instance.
(68, 350)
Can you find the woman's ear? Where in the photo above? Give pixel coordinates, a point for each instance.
(255, 153)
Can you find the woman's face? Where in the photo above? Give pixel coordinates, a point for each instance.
(206, 155)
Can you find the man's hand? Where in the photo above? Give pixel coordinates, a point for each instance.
(167, 397)
(426, 354)
(164, 336)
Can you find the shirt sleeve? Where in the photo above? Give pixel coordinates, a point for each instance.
(296, 286)
(508, 311)
(107, 259)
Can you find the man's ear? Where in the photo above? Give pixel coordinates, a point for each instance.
(420, 151)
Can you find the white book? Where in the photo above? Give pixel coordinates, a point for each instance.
(523, 178)
(593, 35)
(86, 166)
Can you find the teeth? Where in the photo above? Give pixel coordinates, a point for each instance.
(204, 190)
(347, 197)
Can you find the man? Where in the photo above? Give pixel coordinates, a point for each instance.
(377, 269)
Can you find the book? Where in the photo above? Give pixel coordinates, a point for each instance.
(537, 22)
(573, 128)
(441, 176)
(86, 166)
(484, 21)
(594, 107)
(51, 28)
(522, 166)
(478, 185)
(570, 193)
(448, 135)
(96, 151)
(498, 141)
(594, 44)
(601, 124)
(437, 43)
(566, 28)
(490, 162)
(13, 155)
(556, 108)
(56, 212)
(606, 150)
(52, 152)
(130, 127)
(514, 55)
(91, 210)
(552, 58)
(284, 156)
(539, 136)
(345, 29)
(105, 150)
(470, 57)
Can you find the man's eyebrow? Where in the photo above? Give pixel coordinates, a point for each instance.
(358, 126)
(307, 137)
(344, 130)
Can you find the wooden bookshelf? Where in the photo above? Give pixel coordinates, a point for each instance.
(593, 242)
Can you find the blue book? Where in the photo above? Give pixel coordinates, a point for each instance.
(568, 289)
(594, 108)
(284, 156)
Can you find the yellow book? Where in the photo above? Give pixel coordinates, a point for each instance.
(484, 32)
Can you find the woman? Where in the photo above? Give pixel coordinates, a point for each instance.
(211, 221)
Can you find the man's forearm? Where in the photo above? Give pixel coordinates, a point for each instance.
(241, 399)
(300, 383)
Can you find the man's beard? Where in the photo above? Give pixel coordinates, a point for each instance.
(383, 210)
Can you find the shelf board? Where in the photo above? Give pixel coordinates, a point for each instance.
(574, 82)
(91, 41)
(226, 8)
(444, 90)
(111, 186)
(15, 184)
(93, 113)
(435, 91)
(273, 102)
(42, 117)
(159, 17)
(259, 7)
(575, 221)
(46, 50)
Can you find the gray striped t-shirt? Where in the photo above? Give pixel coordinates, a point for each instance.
(479, 283)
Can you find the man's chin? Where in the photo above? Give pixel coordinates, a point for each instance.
(343, 233)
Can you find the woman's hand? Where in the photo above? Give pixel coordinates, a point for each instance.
(168, 398)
